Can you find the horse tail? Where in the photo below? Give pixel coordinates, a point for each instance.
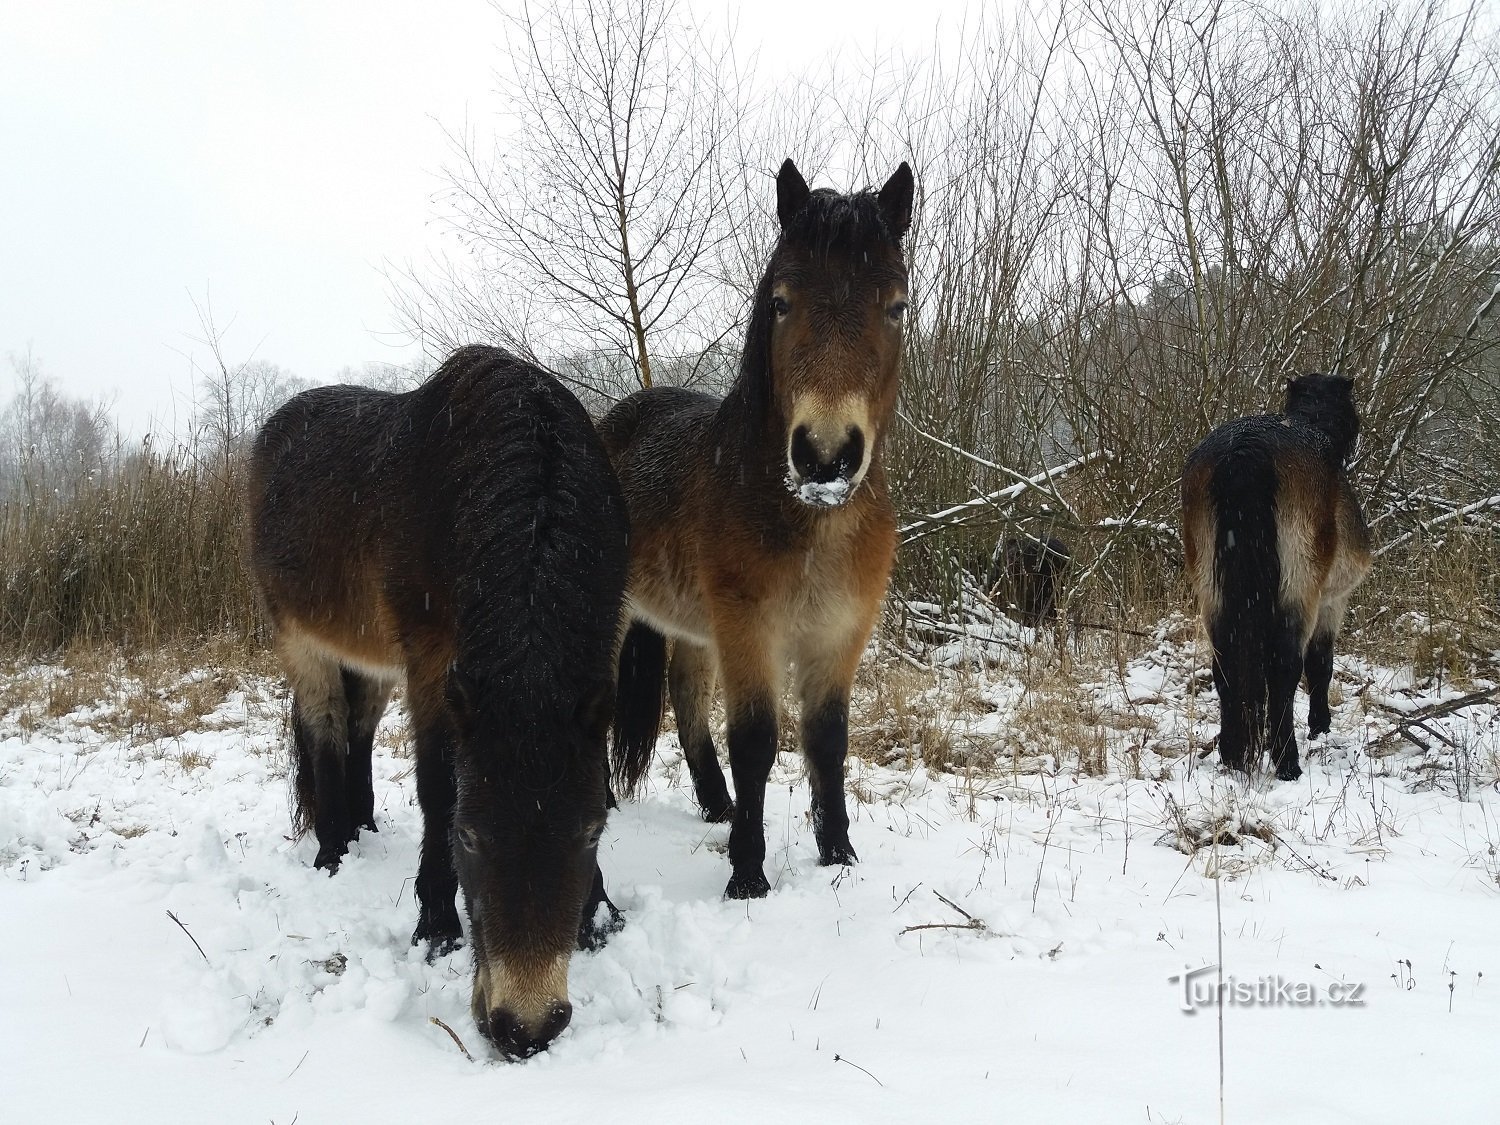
(639, 699)
(1246, 573)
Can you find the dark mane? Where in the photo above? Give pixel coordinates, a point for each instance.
(513, 439)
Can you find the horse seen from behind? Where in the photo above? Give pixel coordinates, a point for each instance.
(762, 530)
(470, 537)
(1275, 544)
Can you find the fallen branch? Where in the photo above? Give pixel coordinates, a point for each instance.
(950, 517)
(1423, 528)
(1421, 715)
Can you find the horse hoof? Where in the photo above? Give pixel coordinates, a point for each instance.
(441, 937)
(837, 855)
(747, 886)
(717, 814)
(328, 860)
(1318, 725)
(1288, 772)
(594, 932)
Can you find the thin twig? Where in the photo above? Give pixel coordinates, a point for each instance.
(452, 1035)
(973, 921)
(856, 1066)
(298, 1067)
(191, 938)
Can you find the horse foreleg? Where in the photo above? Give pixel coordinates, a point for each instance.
(752, 751)
(437, 882)
(690, 682)
(824, 679)
(594, 929)
(825, 742)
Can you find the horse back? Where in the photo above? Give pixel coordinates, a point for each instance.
(320, 511)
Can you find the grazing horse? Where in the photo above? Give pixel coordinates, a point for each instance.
(469, 535)
(1025, 572)
(762, 528)
(1275, 545)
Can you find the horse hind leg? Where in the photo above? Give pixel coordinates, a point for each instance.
(1241, 702)
(366, 698)
(1318, 666)
(690, 683)
(1289, 639)
(320, 739)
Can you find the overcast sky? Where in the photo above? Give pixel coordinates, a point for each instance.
(273, 156)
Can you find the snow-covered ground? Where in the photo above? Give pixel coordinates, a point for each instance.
(1001, 953)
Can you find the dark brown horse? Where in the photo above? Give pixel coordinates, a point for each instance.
(1024, 574)
(762, 529)
(470, 537)
(1275, 545)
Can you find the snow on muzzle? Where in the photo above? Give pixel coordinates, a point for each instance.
(828, 451)
(521, 1008)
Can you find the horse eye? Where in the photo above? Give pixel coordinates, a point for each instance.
(896, 311)
(594, 834)
(469, 839)
(780, 307)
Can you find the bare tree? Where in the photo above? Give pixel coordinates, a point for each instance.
(591, 226)
(48, 440)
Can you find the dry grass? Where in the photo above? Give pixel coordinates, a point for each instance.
(140, 555)
(138, 697)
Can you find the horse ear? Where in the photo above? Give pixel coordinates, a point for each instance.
(792, 193)
(463, 695)
(595, 710)
(895, 200)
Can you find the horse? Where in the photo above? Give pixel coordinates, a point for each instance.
(1024, 572)
(762, 526)
(1275, 545)
(469, 536)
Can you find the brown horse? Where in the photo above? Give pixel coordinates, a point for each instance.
(762, 529)
(471, 537)
(1275, 545)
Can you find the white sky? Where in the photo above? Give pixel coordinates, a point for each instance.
(273, 155)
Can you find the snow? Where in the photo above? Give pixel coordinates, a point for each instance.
(847, 995)
(821, 494)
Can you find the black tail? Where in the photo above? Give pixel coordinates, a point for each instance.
(1247, 572)
(639, 699)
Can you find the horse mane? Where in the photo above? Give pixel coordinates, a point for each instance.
(505, 432)
(829, 225)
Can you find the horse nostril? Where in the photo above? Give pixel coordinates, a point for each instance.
(805, 457)
(851, 454)
(514, 1041)
(819, 466)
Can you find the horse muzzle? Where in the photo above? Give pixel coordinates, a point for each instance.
(518, 1040)
(521, 1010)
(826, 462)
